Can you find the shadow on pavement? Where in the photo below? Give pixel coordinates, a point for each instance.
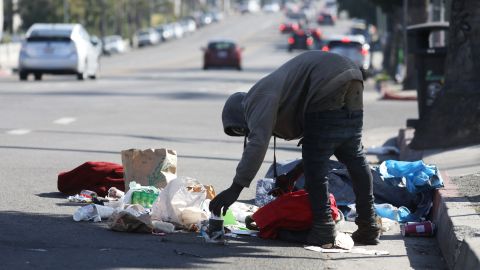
(176, 95)
(39, 241)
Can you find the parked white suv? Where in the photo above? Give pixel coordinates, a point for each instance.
(58, 49)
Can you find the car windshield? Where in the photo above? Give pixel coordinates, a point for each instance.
(49, 35)
(48, 39)
(221, 46)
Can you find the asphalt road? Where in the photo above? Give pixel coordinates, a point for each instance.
(158, 98)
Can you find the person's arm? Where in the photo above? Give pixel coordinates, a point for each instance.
(261, 113)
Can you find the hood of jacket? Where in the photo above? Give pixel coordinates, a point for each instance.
(233, 115)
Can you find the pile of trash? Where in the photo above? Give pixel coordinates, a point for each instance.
(145, 195)
(150, 199)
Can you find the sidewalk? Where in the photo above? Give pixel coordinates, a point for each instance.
(458, 223)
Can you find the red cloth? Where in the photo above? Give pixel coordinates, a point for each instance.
(96, 176)
(291, 211)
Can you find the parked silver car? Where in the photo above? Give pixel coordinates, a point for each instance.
(58, 49)
(114, 44)
(350, 46)
(147, 37)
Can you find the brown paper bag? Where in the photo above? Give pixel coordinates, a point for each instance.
(150, 167)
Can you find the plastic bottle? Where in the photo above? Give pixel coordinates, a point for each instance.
(387, 210)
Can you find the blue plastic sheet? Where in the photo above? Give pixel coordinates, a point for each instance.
(417, 176)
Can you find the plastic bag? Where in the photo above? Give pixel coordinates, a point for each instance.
(143, 195)
(181, 204)
(264, 186)
(417, 175)
(134, 218)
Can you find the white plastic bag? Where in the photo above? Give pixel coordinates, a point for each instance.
(181, 204)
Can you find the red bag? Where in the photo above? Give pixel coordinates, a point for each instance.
(96, 176)
(290, 211)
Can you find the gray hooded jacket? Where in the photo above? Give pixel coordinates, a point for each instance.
(277, 103)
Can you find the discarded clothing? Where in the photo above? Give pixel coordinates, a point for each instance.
(384, 190)
(96, 176)
(291, 211)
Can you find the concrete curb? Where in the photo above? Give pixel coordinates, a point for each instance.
(458, 225)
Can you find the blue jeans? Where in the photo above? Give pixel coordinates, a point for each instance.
(339, 133)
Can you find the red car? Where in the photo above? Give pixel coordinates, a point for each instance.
(222, 53)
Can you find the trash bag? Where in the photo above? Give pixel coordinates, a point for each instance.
(416, 175)
(182, 203)
(134, 218)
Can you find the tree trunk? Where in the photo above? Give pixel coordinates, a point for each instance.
(454, 119)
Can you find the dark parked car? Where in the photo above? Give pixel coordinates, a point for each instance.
(222, 53)
(301, 40)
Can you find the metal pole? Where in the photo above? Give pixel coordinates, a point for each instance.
(65, 11)
(405, 25)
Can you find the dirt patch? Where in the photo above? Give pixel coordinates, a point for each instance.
(469, 186)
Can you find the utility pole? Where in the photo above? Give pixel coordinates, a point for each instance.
(65, 11)
(405, 25)
(1, 19)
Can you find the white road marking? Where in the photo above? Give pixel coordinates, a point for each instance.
(64, 120)
(19, 131)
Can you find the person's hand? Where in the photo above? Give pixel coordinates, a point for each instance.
(225, 199)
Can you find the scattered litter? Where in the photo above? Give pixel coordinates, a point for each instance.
(115, 193)
(353, 250)
(37, 249)
(424, 228)
(93, 212)
(178, 252)
(232, 235)
(85, 196)
(383, 150)
(343, 241)
(160, 227)
(212, 231)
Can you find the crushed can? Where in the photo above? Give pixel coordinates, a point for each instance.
(424, 228)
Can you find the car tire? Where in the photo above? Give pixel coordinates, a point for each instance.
(23, 76)
(80, 76)
(239, 68)
(205, 67)
(38, 76)
(92, 77)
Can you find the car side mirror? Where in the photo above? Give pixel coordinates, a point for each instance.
(94, 41)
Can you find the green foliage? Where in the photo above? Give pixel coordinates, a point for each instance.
(387, 6)
(100, 17)
(362, 9)
(365, 9)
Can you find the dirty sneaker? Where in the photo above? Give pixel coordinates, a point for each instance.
(322, 235)
(368, 232)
